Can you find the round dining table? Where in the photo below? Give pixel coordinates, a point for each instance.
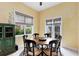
(42, 41)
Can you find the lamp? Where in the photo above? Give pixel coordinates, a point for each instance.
(40, 3)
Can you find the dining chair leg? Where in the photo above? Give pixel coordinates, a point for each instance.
(51, 51)
(60, 52)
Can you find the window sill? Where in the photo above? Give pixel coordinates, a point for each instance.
(18, 35)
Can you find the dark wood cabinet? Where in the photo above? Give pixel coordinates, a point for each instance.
(7, 39)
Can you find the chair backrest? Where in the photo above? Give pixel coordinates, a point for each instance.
(30, 44)
(58, 36)
(36, 35)
(30, 41)
(47, 34)
(55, 42)
(24, 38)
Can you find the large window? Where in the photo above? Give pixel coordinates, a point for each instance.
(24, 24)
(53, 26)
(57, 25)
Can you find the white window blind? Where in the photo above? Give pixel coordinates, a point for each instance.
(24, 23)
(29, 21)
(19, 18)
(24, 19)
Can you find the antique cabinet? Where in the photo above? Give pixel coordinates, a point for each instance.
(7, 39)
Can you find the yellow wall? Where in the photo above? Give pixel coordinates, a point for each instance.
(69, 22)
(78, 24)
(5, 8)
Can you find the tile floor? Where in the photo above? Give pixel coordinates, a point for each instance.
(68, 52)
(64, 52)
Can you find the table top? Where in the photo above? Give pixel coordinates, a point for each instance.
(45, 42)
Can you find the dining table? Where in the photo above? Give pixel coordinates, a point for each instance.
(42, 41)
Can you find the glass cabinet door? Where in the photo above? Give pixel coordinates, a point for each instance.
(1, 41)
(8, 31)
(1, 32)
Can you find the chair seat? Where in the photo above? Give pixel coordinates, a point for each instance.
(44, 46)
(47, 51)
(36, 50)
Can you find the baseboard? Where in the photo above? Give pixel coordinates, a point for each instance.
(78, 52)
(72, 49)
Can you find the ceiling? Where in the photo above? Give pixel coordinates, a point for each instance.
(36, 5)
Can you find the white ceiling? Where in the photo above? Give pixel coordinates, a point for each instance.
(45, 5)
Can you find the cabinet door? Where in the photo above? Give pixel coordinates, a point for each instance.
(9, 45)
(9, 30)
(9, 39)
(1, 32)
(1, 40)
(1, 47)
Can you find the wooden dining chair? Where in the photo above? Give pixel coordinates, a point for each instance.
(54, 47)
(59, 43)
(24, 42)
(52, 50)
(31, 49)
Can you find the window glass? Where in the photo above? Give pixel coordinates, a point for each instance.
(19, 29)
(28, 29)
(24, 24)
(49, 24)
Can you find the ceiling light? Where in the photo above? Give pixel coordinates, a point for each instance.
(40, 3)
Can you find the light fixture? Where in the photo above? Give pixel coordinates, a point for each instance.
(40, 3)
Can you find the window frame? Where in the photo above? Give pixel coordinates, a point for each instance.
(24, 24)
(48, 20)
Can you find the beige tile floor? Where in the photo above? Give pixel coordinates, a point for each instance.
(67, 52)
(64, 51)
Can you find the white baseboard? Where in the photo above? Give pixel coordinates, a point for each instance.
(78, 52)
(73, 49)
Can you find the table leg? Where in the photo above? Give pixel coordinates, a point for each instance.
(42, 50)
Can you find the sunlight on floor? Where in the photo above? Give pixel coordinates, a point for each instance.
(67, 52)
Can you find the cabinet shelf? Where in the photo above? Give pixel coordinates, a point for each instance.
(0, 29)
(0, 35)
(8, 32)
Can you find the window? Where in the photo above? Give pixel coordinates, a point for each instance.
(49, 26)
(53, 26)
(29, 26)
(24, 24)
(28, 29)
(57, 25)
(19, 29)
